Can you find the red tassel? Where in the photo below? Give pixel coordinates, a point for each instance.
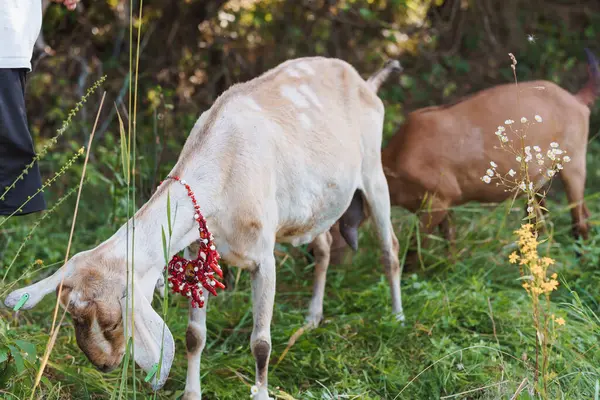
(187, 276)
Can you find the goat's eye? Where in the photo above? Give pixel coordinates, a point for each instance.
(115, 326)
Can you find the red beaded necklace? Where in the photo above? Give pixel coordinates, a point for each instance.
(187, 277)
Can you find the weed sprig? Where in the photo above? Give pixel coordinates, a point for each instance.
(47, 184)
(543, 165)
(54, 140)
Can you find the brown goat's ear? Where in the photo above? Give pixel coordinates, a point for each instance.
(152, 339)
(39, 290)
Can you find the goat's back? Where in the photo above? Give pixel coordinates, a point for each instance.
(447, 149)
(294, 142)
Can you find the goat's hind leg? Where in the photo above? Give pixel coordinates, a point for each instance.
(378, 200)
(321, 248)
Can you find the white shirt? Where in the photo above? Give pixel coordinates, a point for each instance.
(20, 25)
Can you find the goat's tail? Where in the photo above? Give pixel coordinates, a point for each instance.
(377, 79)
(588, 94)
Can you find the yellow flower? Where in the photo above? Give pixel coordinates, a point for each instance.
(560, 320)
(39, 262)
(537, 270)
(513, 257)
(554, 275)
(547, 261)
(550, 285)
(523, 261)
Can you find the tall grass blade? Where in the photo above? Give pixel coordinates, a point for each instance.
(124, 149)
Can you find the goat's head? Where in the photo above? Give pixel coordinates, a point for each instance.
(94, 293)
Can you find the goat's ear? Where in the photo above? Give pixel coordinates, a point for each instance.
(150, 336)
(39, 290)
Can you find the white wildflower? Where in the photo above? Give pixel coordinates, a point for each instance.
(512, 172)
(567, 159)
(551, 155)
(498, 133)
(557, 151)
(530, 185)
(486, 179)
(501, 128)
(528, 158)
(518, 159)
(529, 210)
(559, 166)
(550, 173)
(493, 164)
(523, 120)
(539, 156)
(537, 148)
(522, 186)
(504, 139)
(554, 145)
(538, 118)
(508, 122)
(541, 162)
(527, 149)
(254, 390)
(489, 172)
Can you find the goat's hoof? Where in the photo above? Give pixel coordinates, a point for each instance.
(263, 394)
(400, 318)
(191, 396)
(313, 321)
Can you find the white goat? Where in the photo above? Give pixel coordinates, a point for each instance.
(278, 158)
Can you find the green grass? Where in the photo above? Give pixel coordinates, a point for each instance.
(447, 346)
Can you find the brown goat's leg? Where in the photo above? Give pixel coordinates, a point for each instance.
(321, 247)
(573, 177)
(449, 233)
(428, 221)
(586, 211)
(448, 229)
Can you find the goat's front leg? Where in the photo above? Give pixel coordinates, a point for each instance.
(195, 340)
(263, 297)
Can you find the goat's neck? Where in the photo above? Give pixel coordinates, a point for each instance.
(143, 232)
(146, 240)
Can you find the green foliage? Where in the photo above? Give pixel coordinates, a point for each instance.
(466, 327)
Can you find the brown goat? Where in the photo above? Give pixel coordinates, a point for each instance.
(437, 158)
